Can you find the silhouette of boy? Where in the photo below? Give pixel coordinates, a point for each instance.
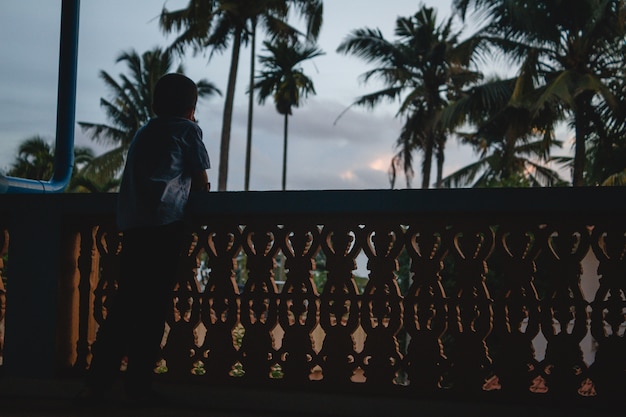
(166, 160)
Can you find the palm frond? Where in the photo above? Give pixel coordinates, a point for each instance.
(464, 176)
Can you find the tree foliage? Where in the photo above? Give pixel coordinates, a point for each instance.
(35, 161)
(571, 55)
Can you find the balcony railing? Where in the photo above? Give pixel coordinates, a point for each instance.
(489, 294)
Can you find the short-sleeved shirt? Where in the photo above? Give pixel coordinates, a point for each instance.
(157, 177)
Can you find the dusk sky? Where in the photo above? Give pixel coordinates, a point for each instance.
(353, 153)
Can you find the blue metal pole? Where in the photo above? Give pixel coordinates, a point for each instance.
(66, 111)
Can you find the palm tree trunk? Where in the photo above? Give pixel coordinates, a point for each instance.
(428, 160)
(440, 160)
(228, 114)
(250, 106)
(285, 151)
(579, 157)
(580, 131)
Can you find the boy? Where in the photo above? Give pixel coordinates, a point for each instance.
(166, 160)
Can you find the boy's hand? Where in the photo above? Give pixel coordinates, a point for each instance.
(200, 181)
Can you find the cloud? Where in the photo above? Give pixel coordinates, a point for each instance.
(353, 153)
(317, 120)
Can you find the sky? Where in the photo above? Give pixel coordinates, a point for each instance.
(353, 152)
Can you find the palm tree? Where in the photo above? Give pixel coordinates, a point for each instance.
(606, 148)
(312, 10)
(570, 54)
(35, 160)
(215, 23)
(285, 81)
(83, 180)
(130, 107)
(83, 184)
(617, 179)
(513, 148)
(424, 65)
(513, 143)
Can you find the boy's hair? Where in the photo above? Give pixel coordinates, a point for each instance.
(174, 95)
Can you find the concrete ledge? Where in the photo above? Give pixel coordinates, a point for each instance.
(35, 398)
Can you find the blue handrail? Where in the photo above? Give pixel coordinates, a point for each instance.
(66, 112)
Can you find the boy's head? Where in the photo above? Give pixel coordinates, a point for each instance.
(174, 95)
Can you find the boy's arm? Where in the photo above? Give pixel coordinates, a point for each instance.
(200, 181)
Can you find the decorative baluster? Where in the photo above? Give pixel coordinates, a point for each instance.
(88, 265)
(608, 320)
(381, 305)
(339, 307)
(180, 350)
(88, 262)
(4, 245)
(517, 315)
(564, 310)
(109, 245)
(219, 299)
(259, 302)
(425, 311)
(68, 301)
(298, 302)
(470, 311)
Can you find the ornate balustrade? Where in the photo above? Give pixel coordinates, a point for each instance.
(502, 294)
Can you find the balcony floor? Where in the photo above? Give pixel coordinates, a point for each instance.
(54, 398)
